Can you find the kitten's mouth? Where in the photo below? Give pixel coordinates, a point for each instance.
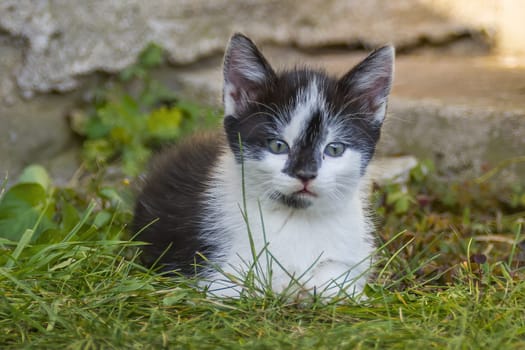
(297, 200)
(306, 192)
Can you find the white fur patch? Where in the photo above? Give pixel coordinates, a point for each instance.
(307, 102)
(324, 246)
(229, 102)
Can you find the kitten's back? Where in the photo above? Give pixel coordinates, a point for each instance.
(171, 201)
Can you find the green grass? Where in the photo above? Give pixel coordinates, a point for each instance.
(450, 274)
(100, 301)
(71, 279)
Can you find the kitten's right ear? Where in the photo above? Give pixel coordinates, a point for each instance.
(245, 72)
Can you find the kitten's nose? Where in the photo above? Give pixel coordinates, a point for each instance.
(305, 175)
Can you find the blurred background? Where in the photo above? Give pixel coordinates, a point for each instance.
(458, 98)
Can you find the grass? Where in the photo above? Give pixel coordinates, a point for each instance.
(452, 278)
(450, 274)
(83, 295)
(104, 302)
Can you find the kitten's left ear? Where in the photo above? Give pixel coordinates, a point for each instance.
(368, 84)
(246, 71)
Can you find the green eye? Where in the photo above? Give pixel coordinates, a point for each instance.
(278, 146)
(335, 149)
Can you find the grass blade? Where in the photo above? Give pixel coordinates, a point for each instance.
(22, 244)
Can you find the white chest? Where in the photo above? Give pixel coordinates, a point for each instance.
(312, 245)
(315, 250)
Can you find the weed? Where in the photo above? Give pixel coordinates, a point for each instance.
(133, 115)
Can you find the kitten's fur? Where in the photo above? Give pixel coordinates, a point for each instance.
(303, 203)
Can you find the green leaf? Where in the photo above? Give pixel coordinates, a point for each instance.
(164, 123)
(35, 174)
(102, 219)
(112, 195)
(402, 205)
(121, 136)
(127, 112)
(132, 72)
(95, 128)
(70, 217)
(97, 150)
(155, 94)
(134, 158)
(152, 56)
(25, 206)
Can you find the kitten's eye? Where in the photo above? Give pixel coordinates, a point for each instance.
(277, 146)
(335, 149)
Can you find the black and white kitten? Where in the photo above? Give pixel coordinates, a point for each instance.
(290, 163)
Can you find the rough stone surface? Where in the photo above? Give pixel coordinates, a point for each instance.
(66, 39)
(385, 170)
(37, 131)
(461, 139)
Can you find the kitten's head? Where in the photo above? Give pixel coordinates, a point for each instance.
(305, 137)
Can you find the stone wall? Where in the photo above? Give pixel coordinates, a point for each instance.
(50, 49)
(66, 38)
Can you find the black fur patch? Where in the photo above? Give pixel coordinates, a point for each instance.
(170, 203)
(305, 159)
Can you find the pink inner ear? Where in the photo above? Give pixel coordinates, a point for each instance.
(369, 82)
(377, 91)
(245, 71)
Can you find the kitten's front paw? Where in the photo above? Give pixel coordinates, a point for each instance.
(332, 279)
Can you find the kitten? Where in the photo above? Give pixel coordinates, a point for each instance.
(288, 168)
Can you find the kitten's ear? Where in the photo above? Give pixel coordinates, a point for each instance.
(245, 72)
(368, 84)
